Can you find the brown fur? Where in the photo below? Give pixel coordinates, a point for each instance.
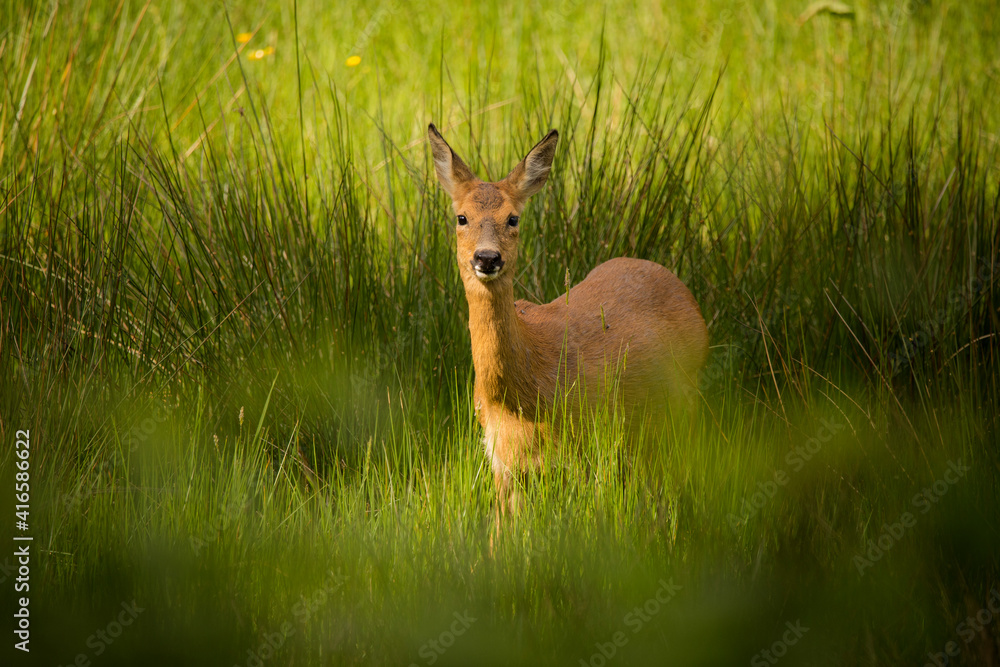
(629, 319)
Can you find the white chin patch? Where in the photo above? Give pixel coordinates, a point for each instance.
(486, 277)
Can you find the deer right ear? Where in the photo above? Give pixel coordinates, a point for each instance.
(450, 169)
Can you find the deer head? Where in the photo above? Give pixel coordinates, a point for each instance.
(488, 214)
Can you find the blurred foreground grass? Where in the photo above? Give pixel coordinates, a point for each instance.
(232, 322)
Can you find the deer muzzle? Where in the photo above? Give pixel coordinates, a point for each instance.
(487, 264)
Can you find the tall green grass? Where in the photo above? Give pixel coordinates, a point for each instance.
(232, 321)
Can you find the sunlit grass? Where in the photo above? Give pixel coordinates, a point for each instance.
(233, 322)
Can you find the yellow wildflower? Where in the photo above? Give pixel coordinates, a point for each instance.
(260, 54)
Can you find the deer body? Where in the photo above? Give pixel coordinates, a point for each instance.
(630, 331)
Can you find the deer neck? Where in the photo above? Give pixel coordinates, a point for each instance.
(499, 342)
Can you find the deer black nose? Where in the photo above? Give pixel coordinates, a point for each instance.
(487, 261)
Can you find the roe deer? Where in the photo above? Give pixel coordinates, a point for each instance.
(629, 316)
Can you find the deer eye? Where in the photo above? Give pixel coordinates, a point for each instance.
(512, 220)
(462, 220)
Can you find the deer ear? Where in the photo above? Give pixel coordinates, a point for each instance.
(530, 174)
(450, 169)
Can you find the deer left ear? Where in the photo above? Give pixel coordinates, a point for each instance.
(530, 174)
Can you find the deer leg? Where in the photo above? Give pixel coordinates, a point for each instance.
(506, 494)
(512, 451)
